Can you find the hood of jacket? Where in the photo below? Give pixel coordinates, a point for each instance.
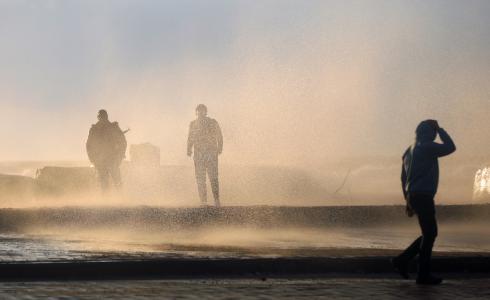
(425, 132)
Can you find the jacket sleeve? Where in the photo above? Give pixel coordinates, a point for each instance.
(120, 142)
(89, 145)
(447, 147)
(219, 138)
(190, 139)
(123, 144)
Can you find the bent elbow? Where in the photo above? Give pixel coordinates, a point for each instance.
(453, 148)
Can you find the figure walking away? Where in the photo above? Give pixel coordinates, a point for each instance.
(106, 148)
(206, 139)
(420, 178)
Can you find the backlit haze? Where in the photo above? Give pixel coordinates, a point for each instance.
(319, 86)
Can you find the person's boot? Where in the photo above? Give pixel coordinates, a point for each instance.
(429, 280)
(401, 267)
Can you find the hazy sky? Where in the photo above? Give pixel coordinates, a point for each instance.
(291, 82)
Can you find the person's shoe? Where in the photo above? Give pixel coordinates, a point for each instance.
(401, 267)
(429, 280)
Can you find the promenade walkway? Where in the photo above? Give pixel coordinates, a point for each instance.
(247, 289)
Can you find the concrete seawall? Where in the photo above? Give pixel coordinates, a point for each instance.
(461, 266)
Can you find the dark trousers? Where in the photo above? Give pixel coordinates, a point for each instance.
(423, 205)
(207, 163)
(107, 171)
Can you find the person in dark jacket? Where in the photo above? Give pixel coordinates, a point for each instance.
(420, 179)
(106, 148)
(206, 139)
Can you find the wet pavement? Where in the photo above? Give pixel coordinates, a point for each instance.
(130, 249)
(109, 233)
(62, 244)
(71, 243)
(346, 288)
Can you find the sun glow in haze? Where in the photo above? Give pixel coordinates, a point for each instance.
(326, 87)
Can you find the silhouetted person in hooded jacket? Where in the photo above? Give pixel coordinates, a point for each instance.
(420, 178)
(106, 148)
(206, 139)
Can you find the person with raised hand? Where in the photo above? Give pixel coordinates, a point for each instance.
(420, 180)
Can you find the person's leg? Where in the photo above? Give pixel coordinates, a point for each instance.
(212, 169)
(116, 175)
(420, 203)
(428, 224)
(411, 251)
(426, 214)
(200, 169)
(400, 263)
(103, 174)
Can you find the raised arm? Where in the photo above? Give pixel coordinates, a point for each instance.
(447, 147)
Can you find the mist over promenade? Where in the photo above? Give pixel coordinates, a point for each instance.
(233, 232)
(244, 149)
(158, 218)
(367, 181)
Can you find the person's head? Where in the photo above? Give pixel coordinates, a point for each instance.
(201, 111)
(102, 115)
(427, 130)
